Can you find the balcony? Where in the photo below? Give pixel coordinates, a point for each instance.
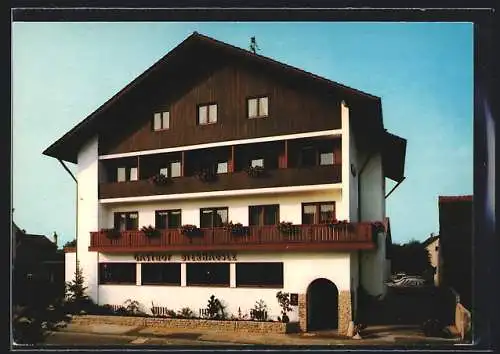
(355, 236)
(229, 181)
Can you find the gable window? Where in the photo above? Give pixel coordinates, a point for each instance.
(213, 217)
(161, 121)
(124, 221)
(326, 158)
(261, 215)
(124, 174)
(318, 213)
(168, 219)
(207, 114)
(258, 107)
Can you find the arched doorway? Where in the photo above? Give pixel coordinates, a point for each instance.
(322, 305)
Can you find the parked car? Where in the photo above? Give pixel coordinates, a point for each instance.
(407, 281)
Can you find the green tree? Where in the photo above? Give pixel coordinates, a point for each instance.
(76, 290)
(411, 258)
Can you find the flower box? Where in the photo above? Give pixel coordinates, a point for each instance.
(236, 229)
(191, 230)
(256, 171)
(150, 231)
(160, 179)
(286, 227)
(112, 234)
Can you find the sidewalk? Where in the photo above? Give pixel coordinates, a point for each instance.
(381, 335)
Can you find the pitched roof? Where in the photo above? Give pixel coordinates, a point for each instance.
(430, 240)
(181, 59)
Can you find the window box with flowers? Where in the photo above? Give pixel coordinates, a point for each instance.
(206, 175)
(160, 179)
(150, 232)
(287, 228)
(377, 227)
(112, 234)
(256, 171)
(341, 224)
(191, 230)
(236, 229)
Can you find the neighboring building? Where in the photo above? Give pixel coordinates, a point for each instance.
(210, 118)
(432, 246)
(38, 266)
(455, 245)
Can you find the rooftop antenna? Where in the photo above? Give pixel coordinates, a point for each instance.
(253, 45)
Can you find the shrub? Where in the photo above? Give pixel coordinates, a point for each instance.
(284, 302)
(259, 312)
(185, 312)
(433, 328)
(215, 309)
(132, 307)
(70, 244)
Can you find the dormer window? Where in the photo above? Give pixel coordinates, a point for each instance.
(207, 114)
(258, 107)
(161, 121)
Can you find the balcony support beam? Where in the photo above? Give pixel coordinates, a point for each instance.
(232, 159)
(183, 162)
(286, 154)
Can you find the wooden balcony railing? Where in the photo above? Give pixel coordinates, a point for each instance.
(347, 237)
(230, 181)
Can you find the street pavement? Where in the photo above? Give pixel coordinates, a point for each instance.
(130, 336)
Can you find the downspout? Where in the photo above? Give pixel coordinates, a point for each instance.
(76, 220)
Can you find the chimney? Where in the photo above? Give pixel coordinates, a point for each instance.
(55, 238)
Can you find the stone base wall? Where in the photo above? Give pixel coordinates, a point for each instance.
(175, 323)
(303, 312)
(345, 311)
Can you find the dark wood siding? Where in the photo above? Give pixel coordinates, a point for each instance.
(292, 109)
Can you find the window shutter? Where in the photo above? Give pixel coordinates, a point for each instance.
(133, 174)
(166, 120)
(121, 174)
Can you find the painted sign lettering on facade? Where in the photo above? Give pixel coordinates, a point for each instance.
(187, 257)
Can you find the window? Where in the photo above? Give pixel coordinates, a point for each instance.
(117, 273)
(175, 169)
(257, 162)
(164, 171)
(213, 217)
(258, 107)
(161, 273)
(222, 167)
(207, 274)
(161, 121)
(263, 215)
(326, 158)
(207, 114)
(167, 219)
(318, 213)
(126, 174)
(126, 221)
(259, 274)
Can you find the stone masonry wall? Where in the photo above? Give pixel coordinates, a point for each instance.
(174, 323)
(303, 312)
(345, 311)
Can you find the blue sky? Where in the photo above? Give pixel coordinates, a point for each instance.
(423, 72)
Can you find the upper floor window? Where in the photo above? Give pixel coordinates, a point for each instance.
(161, 121)
(258, 107)
(260, 215)
(207, 114)
(257, 163)
(222, 167)
(326, 158)
(126, 221)
(318, 213)
(213, 217)
(126, 174)
(174, 169)
(168, 219)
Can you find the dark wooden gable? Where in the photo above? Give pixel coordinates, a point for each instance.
(293, 108)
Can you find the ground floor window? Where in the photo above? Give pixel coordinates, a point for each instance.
(207, 274)
(161, 273)
(117, 273)
(259, 274)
